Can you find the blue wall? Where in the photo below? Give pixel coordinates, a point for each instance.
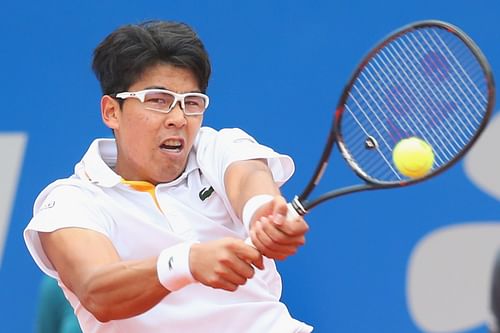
(278, 69)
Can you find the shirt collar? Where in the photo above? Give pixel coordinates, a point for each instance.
(100, 159)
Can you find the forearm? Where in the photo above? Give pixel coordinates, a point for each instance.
(274, 232)
(90, 267)
(122, 289)
(112, 289)
(246, 179)
(126, 289)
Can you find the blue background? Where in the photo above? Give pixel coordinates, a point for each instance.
(278, 69)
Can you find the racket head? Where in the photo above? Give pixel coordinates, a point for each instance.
(427, 80)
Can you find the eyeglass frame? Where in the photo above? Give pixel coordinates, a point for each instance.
(141, 95)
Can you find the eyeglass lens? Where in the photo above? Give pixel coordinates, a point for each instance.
(163, 101)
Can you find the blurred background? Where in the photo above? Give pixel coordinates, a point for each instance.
(417, 259)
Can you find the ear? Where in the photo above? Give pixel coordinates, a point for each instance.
(110, 112)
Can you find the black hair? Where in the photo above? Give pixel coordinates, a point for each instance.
(125, 54)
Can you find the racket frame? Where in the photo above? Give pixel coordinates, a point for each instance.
(302, 205)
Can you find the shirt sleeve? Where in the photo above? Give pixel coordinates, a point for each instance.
(216, 150)
(64, 206)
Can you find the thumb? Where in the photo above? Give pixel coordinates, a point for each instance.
(280, 210)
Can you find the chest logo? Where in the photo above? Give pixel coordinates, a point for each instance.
(205, 193)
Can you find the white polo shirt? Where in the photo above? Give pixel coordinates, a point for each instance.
(186, 209)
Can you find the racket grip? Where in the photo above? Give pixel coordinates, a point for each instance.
(292, 212)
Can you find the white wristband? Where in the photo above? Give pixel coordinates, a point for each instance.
(251, 207)
(173, 267)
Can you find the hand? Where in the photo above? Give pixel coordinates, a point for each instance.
(224, 264)
(275, 234)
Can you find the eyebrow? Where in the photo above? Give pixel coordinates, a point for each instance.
(164, 88)
(155, 87)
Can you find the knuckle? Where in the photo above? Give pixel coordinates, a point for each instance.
(213, 280)
(223, 257)
(231, 287)
(269, 244)
(227, 242)
(281, 256)
(241, 281)
(218, 271)
(249, 273)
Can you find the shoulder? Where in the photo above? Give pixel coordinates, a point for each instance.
(69, 191)
(207, 134)
(210, 141)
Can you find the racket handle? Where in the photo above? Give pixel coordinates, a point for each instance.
(292, 211)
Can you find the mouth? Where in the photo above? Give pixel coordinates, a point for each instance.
(172, 145)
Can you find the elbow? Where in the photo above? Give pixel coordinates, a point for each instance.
(93, 304)
(102, 316)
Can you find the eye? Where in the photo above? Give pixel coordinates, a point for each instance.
(194, 101)
(158, 98)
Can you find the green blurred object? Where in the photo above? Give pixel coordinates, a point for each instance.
(54, 314)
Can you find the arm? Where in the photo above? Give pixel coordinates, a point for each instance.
(273, 233)
(111, 289)
(107, 287)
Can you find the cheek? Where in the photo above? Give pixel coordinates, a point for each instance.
(140, 122)
(138, 130)
(193, 128)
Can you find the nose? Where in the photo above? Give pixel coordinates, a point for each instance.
(176, 117)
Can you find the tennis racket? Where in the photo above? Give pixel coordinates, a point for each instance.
(427, 80)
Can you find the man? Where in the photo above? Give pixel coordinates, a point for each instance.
(149, 233)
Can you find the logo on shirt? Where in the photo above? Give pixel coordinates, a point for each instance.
(205, 193)
(171, 263)
(47, 205)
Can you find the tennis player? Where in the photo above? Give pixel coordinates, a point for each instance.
(148, 233)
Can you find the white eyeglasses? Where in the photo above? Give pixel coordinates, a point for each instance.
(162, 100)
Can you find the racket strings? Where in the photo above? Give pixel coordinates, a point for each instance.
(425, 83)
(427, 107)
(450, 91)
(403, 123)
(470, 84)
(386, 108)
(458, 88)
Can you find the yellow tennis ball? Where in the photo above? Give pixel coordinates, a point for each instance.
(413, 157)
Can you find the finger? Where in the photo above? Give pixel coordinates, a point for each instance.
(258, 244)
(232, 269)
(222, 277)
(242, 268)
(233, 277)
(265, 250)
(282, 235)
(226, 285)
(269, 247)
(294, 227)
(249, 254)
(280, 210)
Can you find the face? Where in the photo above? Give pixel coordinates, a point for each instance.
(153, 146)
